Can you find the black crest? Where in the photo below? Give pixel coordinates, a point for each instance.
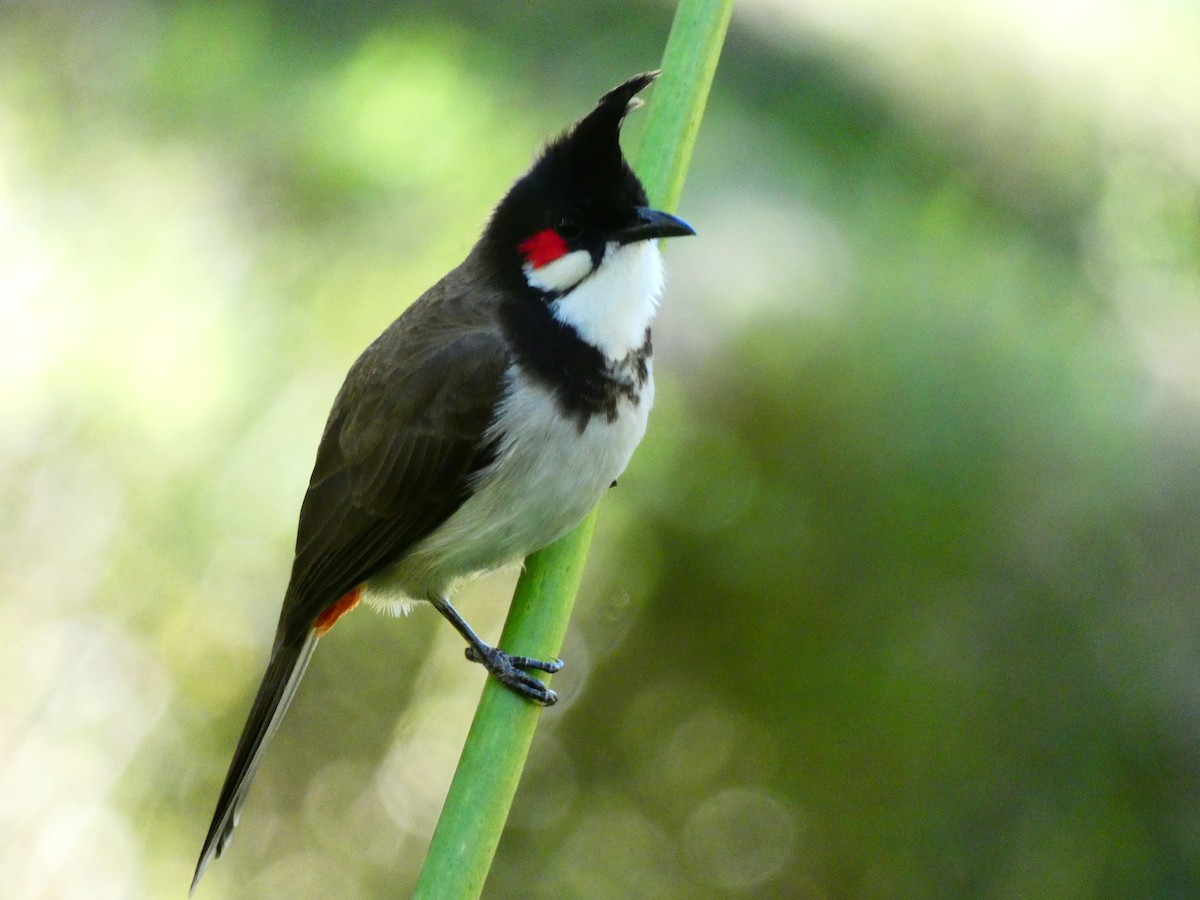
(581, 175)
(591, 148)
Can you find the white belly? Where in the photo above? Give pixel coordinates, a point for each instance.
(547, 476)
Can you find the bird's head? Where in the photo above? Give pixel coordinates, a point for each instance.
(580, 207)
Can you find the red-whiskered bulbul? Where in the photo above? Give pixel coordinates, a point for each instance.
(484, 423)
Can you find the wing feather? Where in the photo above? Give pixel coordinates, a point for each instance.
(396, 459)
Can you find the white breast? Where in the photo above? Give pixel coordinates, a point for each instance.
(547, 476)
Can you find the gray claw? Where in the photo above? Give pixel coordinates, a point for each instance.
(508, 671)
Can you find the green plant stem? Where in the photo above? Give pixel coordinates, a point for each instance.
(493, 757)
(680, 95)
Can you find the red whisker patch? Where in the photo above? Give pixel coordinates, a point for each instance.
(544, 247)
(334, 611)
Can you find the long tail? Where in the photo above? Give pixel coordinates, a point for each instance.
(288, 662)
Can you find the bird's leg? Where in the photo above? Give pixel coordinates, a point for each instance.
(506, 667)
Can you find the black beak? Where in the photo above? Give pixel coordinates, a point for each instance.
(652, 223)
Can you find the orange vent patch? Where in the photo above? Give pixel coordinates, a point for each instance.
(328, 618)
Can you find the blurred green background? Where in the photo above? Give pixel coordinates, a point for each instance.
(898, 599)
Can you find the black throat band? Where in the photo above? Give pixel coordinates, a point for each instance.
(584, 382)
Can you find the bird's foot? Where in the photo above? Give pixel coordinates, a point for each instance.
(508, 671)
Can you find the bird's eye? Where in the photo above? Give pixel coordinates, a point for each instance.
(567, 228)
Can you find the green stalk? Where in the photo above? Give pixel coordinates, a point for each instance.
(485, 782)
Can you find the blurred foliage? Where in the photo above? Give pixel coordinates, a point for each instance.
(898, 599)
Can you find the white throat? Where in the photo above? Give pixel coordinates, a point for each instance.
(612, 308)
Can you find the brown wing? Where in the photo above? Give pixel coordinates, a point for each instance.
(404, 436)
(395, 461)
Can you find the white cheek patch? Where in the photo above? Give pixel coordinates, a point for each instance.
(562, 274)
(613, 308)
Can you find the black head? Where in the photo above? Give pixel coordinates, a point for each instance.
(581, 194)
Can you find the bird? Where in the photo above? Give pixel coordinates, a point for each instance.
(484, 423)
